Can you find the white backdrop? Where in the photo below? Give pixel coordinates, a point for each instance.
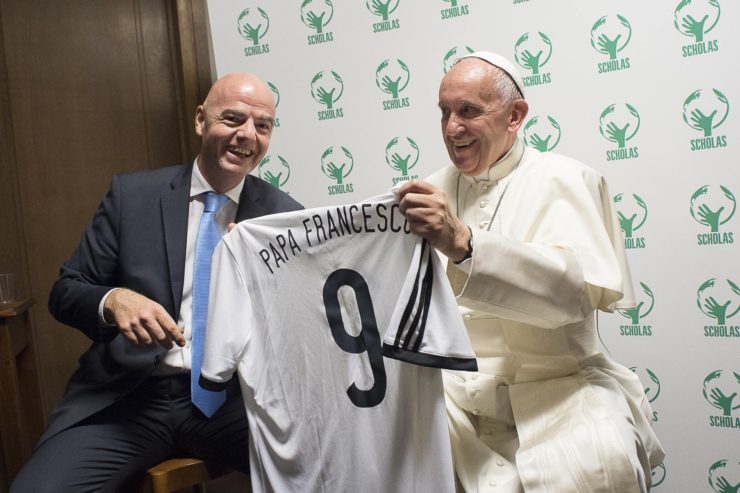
(645, 92)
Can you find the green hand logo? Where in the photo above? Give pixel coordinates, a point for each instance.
(533, 53)
(327, 90)
(253, 24)
(275, 93)
(628, 212)
(696, 18)
(636, 313)
(609, 37)
(381, 8)
(657, 474)
(716, 391)
(276, 173)
(402, 154)
(701, 108)
(454, 54)
(453, 3)
(708, 209)
(337, 163)
(708, 294)
(392, 77)
(542, 133)
(652, 389)
(316, 14)
(718, 474)
(619, 123)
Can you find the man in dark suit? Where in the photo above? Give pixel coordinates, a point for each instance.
(129, 288)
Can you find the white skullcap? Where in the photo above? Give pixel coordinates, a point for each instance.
(502, 63)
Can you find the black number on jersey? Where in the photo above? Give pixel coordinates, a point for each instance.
(367, 341)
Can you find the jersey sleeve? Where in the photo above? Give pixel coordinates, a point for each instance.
(425, 327)
(229, 320)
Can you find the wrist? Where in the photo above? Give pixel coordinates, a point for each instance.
(105, 309)
(469, 248)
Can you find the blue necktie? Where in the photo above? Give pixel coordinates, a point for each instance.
(208, 236)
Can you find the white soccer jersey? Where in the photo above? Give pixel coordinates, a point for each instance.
(299, 302)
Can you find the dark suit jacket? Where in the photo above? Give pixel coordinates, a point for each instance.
(136, 240)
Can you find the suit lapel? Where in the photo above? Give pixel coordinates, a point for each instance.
(249, 201)
(175, 203)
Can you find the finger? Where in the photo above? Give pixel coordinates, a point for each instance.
(416, 203)
(159, 335)
(416, 186)
(174, 333)
(129, 335)
(231, 226)
(141, 334)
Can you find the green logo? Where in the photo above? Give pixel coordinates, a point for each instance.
(453, 55)
(695, 18)
(609, 36)
(456, 9)
(720, 390)
(637, 313)
(701, 108)
(650, 384)
(542, 133)
(327, 88)
(713, 209)
(632, 213)
(275, 172)
(253, 24)
(384, 9)
(392, 77)
(652, 389)
(724, 478)
(719, 301)
(533, 53)
(316, 14)
(619, 124)
(276, 94)
(657, 474)
(402, 154)
(706, 110)
(337, 164)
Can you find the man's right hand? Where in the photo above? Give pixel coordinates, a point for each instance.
(141, 320)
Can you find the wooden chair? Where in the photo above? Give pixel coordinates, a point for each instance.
(174, 474)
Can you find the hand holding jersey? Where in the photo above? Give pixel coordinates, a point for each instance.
(425, 207)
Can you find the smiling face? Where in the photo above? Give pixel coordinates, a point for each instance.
(235, 125)
(478, 127)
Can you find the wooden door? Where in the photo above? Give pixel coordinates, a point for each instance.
(88, 88)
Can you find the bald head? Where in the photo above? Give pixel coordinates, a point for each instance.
(235, 125)
(240, 84)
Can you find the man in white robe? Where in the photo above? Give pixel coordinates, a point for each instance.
(534, 249)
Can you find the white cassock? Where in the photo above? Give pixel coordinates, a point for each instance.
(547, 411)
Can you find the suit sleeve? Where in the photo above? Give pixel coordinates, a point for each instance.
(91, 271)
(229, 320)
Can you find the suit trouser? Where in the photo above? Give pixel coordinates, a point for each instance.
(112, 449)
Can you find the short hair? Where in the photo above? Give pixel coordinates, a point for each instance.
(505, 86)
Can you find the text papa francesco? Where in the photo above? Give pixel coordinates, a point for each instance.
(330, 224)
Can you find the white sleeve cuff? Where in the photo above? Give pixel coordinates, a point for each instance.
(101, 310)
